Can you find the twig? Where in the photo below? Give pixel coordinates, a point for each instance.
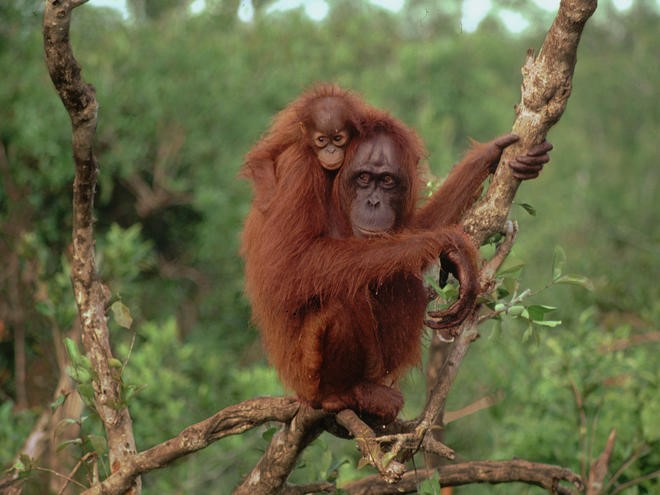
(474, 407)
(639, 452)
(636, 481)
(598, 469)
(370, 447)
(582, 430)
(490, 268)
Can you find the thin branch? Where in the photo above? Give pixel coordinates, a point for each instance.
(599, 467)
(632, 458)
(436, 403)
(370, 447)
(474, 407)
(628, 484)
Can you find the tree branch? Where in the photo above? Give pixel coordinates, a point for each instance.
(232, 420)
(493, 472)
(91, 296)
(271, 472)
(546, 86)
(545, 89)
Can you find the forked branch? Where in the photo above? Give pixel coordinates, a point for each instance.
(545, 89)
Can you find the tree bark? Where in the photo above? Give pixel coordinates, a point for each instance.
(91, 295)
(546, 87)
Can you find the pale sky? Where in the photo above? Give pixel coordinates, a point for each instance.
(473, 10)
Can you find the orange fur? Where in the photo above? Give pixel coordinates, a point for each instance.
(341, 317)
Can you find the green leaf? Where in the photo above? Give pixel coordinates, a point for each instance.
(58, 402)
(558, 261)
(548, 323)
(333, 471)
(72, 350)
(115, 363)
(23, 466)
(577, 280)
(516, 310)
(121, 314)
(430, 486)
(98, 444)
(86, 392)
(528, 208)
(538, 311)
(515, 268)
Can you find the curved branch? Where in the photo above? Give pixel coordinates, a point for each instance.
(546, 86)
(545, 90)
(91, 296)
(232, 420)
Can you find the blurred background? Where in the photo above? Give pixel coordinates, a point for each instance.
(185, 88)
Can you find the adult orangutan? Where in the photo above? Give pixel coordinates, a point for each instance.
(315, 129)
(334, 266)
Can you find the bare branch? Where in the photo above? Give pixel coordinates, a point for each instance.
(272, 470)
(490, 268)
(545, 89)
(546, 86)
(458, 349)
(474, 407)
(493, 472)
(370, 447)
(600, 466)
(232, 420)
(91, 296)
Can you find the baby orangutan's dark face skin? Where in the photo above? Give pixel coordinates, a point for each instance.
(329, 130)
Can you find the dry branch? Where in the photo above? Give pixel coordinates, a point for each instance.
(545, 89)
(494, 472)
(91, 296)
(546, 86)
(271, 472)
(232, 420)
